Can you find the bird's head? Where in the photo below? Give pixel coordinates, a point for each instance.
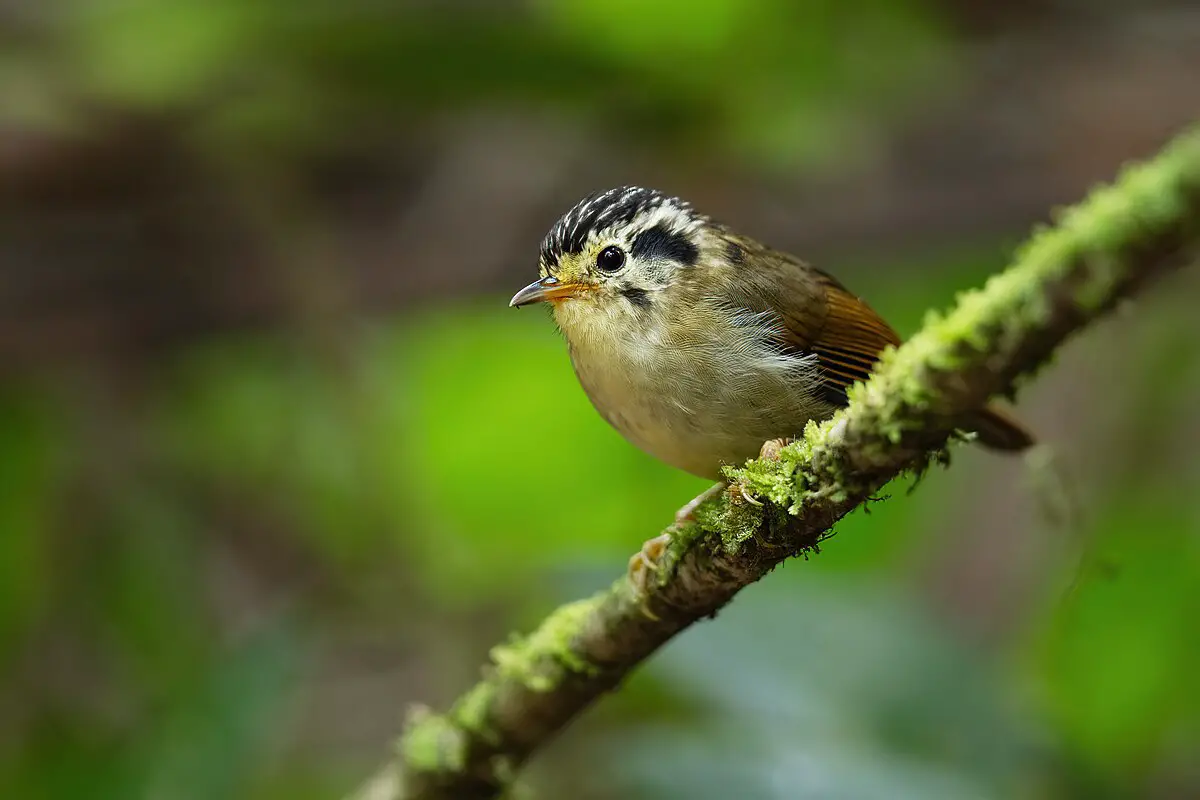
(615, 253)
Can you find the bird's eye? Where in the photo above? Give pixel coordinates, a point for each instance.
(611, 258)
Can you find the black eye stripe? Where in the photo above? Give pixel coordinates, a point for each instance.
(659, 242)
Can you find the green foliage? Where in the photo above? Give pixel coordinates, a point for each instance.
(158, 54)
(263, 417)
(776, 82)
(542, 502)
(28, 472)
(1117, 653)
(214, 741)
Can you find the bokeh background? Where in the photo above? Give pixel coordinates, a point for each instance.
(277, 461)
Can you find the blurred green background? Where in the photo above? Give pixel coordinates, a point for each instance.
(277, 461)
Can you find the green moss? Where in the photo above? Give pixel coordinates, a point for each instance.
(537, 659)
(432, 743)
(787, 482)
(471, 710)
(683, 537)
(506, 772)
(737, 523)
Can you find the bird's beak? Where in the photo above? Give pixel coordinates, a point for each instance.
(547, 288)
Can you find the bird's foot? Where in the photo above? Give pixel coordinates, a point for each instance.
(688, 512)
(644, 563)
(770, 450)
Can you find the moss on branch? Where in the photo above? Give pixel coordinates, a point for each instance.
(1066, 275)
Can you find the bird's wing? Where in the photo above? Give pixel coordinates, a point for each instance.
(850, 342)
(819, 317)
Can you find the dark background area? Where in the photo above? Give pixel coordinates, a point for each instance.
(277, 461)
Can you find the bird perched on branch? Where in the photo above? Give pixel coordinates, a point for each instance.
(700, 345)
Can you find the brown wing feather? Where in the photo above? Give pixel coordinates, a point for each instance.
(849, 343)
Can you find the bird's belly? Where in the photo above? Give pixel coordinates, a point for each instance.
(699, 415)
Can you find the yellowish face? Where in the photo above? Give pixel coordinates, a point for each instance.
(574, 275)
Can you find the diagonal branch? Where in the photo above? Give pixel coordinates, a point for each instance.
(1098, 252)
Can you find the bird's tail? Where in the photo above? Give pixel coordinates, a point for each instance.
(999, 431)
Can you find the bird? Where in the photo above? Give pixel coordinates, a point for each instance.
(701, 345)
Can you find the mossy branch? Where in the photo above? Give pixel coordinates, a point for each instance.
(1067, 275)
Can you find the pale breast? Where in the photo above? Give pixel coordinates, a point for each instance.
(697, 393)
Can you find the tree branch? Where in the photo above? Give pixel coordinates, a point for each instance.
(1098, 252)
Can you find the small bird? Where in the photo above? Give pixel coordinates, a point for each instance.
(700, 345)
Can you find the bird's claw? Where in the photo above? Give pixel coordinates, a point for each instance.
(746, 496)
(768, 452)
(644, 563)
(688, 512)
(770, 449)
